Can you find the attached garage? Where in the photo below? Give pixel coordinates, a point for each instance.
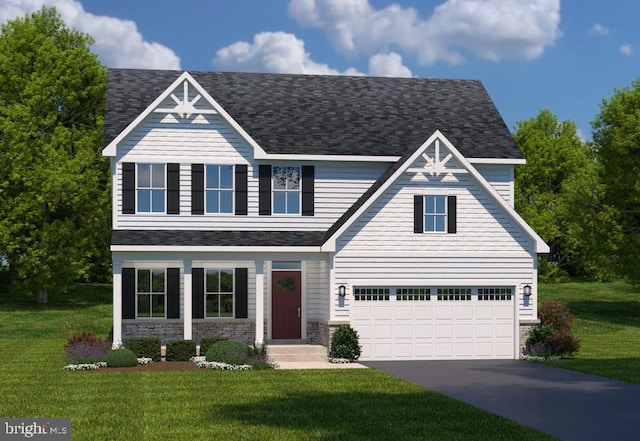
(414, 323)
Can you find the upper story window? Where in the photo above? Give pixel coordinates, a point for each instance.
(287, 192)
(150, 188)
(435, 213)
(219, 188)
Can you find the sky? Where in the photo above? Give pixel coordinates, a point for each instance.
(565, 56)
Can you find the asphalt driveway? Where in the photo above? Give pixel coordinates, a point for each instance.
(569, 405)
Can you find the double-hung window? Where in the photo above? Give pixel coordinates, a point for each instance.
(151, 293)
(151, 188)
(435, 214)
(287, 192)
(219, 189)
(219, 291)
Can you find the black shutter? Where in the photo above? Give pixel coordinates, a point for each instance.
(197, 293)
(308, 191)
(242, 292)
(197, 188)
(173, 188)
(264, 190)
(128, 188)
(173, 293)
(128, 293)
(418, 214)
(451, 215)
(241, 190)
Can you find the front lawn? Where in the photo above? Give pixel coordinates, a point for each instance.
(188, 405)
(607, 324)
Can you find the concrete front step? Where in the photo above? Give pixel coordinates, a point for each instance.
(296, 353)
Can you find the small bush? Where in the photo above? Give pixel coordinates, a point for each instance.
(562, 342)
(555, 315)
(345, 344)
(260, 365)
(145, 347)
(181, 350)
(230, 352)
(207, 342)
(86, 348)
(121, 358)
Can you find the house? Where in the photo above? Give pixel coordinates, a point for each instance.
(268, 207)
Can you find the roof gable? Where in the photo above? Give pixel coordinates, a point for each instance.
(328, 115)
(439, 158)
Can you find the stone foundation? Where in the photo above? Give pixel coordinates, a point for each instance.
(319, 332)
(525, 329)
(237, 329)
(165, 329)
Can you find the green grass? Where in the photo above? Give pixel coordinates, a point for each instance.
(607, 324)
(252, 405)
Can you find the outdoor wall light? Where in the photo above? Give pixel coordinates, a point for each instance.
(527, 290)
(342, 290)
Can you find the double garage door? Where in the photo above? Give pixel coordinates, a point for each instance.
(434, 323)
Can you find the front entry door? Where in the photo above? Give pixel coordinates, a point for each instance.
(286, 305)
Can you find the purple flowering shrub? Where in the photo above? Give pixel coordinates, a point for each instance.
(86, 347)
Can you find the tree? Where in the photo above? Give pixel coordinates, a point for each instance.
(616, 134)
(55, 211)
(558, 192)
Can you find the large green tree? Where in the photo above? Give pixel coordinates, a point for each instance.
(559, 193)
(616, 134)
(55, 211)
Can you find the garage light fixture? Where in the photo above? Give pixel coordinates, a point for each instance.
(527, 290)
(342, 290)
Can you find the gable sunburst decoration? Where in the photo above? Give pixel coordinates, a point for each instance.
(184, 106)
(435, 165)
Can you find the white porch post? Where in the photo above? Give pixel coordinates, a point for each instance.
(117, 302)
(259, 302)
(188, 316)
(332, 288)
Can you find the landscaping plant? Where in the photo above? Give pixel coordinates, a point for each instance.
(345, 343)
(121, 358)
(181, 350)
(145, 347)
(86, 347)
(553, 336)
(207, 341)
(230, 352)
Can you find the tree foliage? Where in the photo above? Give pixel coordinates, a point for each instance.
(55, 211)
(559, 193)
(616, 134)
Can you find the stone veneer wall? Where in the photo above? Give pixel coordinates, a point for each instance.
(165, 329)
(525, 328)
(238, 329)
(319, 332)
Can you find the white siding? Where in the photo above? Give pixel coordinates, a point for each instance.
(337, 185)
(500, 177)
(317, 276)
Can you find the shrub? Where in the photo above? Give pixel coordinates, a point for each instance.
(539, 334)
(145, 347)
(121, 358)
(562, 342)
(229, 351)
(555, 315)
(207, 342)
(344, 343)
(181, 350)
(260, 365)
(85, 348)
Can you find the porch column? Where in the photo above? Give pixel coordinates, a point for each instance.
(117, 302)
(259, 302)
(188, 296)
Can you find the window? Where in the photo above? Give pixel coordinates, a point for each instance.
(286, 190)
(413, 294)
(151, 293)
(454, 294)
(435, 214)
(219, 189)
(219, 293)
(151, 188)
(370, 294)
(494, 294)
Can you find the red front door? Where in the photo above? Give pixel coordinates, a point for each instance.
(286, 304)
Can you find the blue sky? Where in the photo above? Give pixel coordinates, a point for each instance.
(562, 55)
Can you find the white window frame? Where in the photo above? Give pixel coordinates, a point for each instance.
(435, 214)
(220, 293)
(151, 189)
(286, 191)
(219, 189)
(151, 294)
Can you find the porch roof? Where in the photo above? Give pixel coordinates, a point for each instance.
(193, 238)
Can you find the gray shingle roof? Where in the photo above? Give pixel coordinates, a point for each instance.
(217, 238)
(333, 115)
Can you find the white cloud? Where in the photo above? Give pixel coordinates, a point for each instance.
(118, 43)
(598, 29)
(491, 29)
(626, 49)
(388, 65)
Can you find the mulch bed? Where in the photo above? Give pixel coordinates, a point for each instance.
(159, 366)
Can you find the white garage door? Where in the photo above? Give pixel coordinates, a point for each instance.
(434, 323)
